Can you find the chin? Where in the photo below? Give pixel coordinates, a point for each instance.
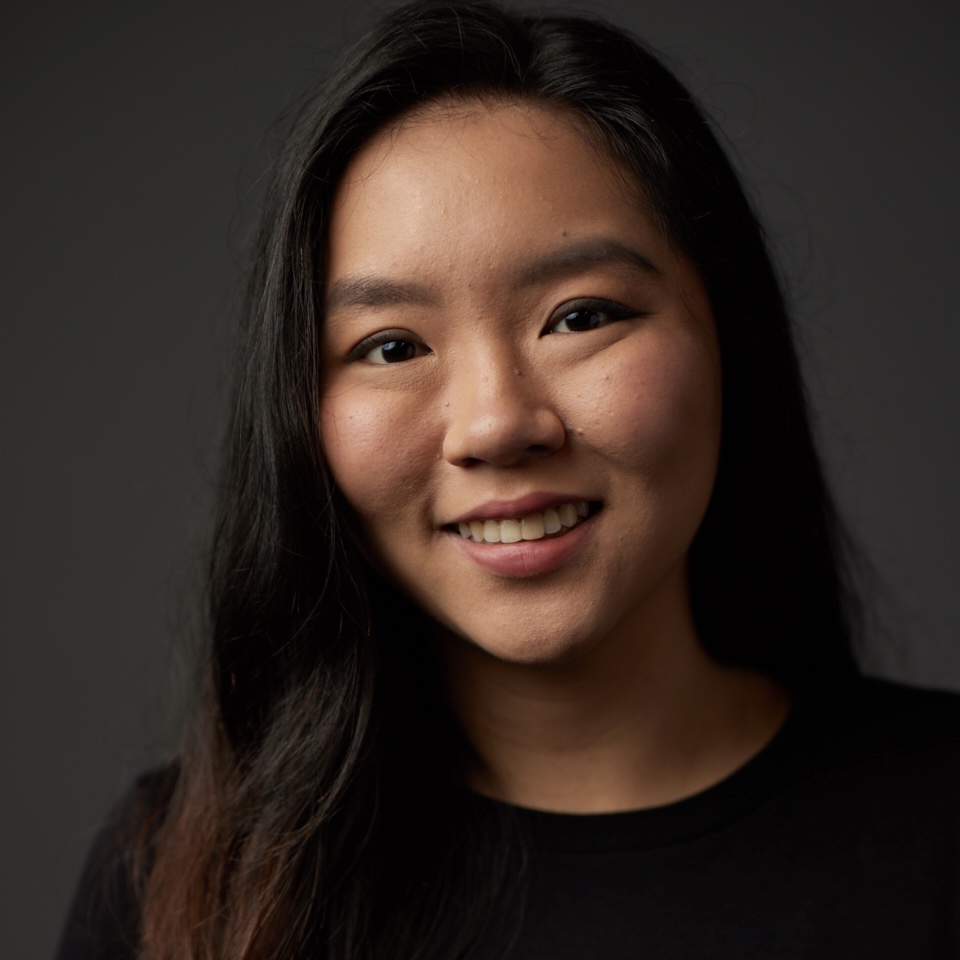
(533, 644)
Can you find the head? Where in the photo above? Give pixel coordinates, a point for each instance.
(764, 564)
(547, 348)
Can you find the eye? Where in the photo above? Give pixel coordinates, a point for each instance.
(393, 351)
(584, 315)
(388, 347)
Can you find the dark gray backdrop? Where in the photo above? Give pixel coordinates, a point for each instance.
(133, 138)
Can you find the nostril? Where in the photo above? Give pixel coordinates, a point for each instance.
(541, 450)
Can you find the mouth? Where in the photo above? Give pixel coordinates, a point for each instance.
(548, 524)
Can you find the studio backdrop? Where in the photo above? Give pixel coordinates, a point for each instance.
(136, 137)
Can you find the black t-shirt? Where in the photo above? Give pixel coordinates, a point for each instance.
(840, 839)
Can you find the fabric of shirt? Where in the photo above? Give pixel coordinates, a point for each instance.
(840, 839)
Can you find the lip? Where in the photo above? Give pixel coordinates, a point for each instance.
(521, 507)
(527, 558)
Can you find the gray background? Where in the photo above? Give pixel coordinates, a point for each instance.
(134, 135)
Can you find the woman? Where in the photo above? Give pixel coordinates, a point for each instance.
(529, 629)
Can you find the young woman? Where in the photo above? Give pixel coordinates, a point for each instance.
(529, 630)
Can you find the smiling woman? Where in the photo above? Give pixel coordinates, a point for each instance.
(529, 634)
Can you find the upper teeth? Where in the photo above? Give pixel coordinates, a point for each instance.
(534, 526)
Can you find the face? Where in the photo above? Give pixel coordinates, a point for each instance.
(521, 396)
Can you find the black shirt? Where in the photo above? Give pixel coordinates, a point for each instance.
(841, 839)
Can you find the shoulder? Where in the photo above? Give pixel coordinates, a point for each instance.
(892, 745)
(875, 714)
(103, 921)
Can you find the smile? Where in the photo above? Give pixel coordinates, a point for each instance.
(543, 525)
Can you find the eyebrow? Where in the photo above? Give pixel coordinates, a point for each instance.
(377, 291)
(580, 256)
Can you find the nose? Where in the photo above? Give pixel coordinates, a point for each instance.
(500, 416)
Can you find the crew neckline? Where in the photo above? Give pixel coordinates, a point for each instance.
(780, 760)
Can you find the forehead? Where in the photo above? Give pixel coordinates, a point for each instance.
(477, 179)
(479, 133)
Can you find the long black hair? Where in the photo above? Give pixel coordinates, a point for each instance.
(315, 810)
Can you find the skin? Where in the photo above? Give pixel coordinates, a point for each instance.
(584, 688)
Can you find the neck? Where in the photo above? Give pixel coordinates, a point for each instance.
(642, 718)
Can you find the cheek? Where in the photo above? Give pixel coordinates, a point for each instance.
(376, 450)
(655, 408)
